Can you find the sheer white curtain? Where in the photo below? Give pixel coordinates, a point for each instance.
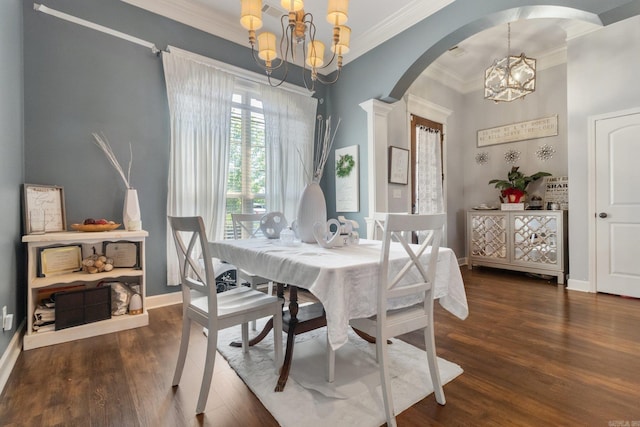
(199, 99)
(289, 134)
(429, 171)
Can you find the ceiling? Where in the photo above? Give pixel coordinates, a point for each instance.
(374, 21)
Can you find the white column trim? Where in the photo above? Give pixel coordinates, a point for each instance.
(377, 143)
(427, 109)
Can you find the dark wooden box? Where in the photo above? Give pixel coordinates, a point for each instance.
(84, 306)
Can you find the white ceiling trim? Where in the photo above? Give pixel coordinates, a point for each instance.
(201, 17)
(444, 75)
(197, 16)
(395, 24)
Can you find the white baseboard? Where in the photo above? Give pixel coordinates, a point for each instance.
(578, 285)
(10, 356)
(157, 301)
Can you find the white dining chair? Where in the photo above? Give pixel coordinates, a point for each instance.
(203, 305)
(247, 226)
(378, 224)
(391, 323)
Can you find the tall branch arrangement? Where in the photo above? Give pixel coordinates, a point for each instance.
(323, 146)
(102, 142)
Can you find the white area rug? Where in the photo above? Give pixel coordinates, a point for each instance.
(353, 399)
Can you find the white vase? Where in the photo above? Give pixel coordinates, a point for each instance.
(131, 212)
(312, 208)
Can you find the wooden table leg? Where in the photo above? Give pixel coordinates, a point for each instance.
(291, 338)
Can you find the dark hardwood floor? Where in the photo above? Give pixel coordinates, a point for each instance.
(533, 354)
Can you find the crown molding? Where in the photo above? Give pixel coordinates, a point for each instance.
(201, 17)
(396, 23)
(195, 15)
(449, 78)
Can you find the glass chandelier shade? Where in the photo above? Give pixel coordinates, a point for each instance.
(511, 77)
(298, 29)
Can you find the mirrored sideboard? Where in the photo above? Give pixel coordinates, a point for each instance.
(531, 241)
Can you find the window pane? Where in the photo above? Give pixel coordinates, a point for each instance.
(247, 158)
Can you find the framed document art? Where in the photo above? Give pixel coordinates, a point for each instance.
(43, 208)
(398, 165)
(124, 254)
(60, 260)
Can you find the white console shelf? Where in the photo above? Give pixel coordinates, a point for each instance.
(36, 242)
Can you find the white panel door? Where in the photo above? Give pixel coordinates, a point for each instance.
(618, 205)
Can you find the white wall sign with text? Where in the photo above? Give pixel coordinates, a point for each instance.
(539, 128)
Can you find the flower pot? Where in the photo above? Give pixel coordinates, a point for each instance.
(513, 195)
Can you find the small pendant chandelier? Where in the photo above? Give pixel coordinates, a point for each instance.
(511, 77)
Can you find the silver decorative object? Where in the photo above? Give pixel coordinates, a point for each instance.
(512, 156)
(545, 152)
(482, 158)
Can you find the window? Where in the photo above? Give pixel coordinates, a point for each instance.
(247, 158)
(426, 170)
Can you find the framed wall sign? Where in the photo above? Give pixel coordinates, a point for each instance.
(398, 165)
(124, 254)
(538, 128)
(43, 208)
(556, 190)
(60, 260)
(347, 179)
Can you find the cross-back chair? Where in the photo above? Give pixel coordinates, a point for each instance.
(378, 225)
(417, 277)
(247, 226)
(203, 305)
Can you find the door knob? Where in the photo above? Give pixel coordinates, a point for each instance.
(602, 214)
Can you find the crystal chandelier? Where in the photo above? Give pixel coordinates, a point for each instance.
(511, 77)
(297, 29)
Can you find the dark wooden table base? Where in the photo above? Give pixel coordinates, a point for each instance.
(297, 320)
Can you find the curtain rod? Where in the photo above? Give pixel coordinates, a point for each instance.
(44, 9)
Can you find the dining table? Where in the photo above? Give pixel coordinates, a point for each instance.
(342, 279)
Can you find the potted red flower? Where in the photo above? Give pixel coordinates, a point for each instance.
(514, 187)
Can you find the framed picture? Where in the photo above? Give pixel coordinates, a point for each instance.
(60, 260)
(556, 190)
(124, 254)
(398, 165)
(43, 208)
(347, 179)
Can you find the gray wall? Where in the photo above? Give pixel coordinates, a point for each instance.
(443, 96)
(11, 173)
(79, 81)
(601, 73)
(550, 98)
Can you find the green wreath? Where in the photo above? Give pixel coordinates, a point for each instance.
(345, 165)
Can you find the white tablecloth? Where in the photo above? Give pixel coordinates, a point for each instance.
(343, 279)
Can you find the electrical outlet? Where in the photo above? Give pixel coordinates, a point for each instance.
(7, 323)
